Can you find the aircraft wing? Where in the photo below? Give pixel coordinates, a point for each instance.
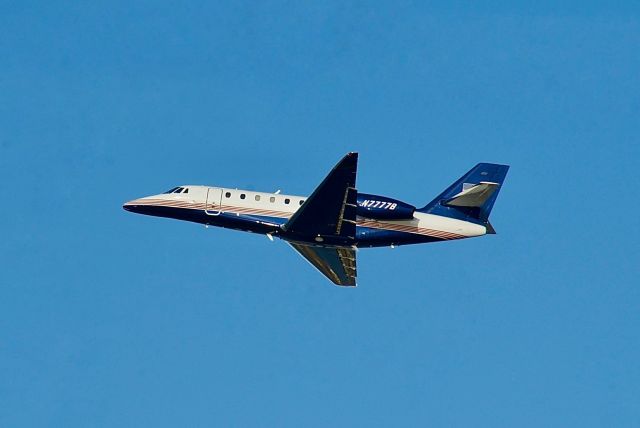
(336, 263)
(331, 208)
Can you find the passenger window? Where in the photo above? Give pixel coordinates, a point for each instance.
(227, 195)
(257, 197)
(272, 199)
(286, 201)
(242, 196)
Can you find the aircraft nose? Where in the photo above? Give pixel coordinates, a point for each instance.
(131, 206)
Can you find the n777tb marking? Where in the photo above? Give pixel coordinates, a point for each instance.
(378, 204)
(327, 227)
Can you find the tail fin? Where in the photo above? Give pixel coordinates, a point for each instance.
(471, 198)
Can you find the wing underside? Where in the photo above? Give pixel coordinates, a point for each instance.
(336, 263)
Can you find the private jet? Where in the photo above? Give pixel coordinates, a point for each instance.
(330, 225)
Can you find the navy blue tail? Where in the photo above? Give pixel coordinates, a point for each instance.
(470, 198)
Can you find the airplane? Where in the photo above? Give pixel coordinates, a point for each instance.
(330, 225)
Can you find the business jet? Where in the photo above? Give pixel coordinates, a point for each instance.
(330, 225)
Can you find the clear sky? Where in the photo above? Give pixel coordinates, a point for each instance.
(113, 319)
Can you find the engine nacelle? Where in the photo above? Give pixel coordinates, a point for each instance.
(383, 208)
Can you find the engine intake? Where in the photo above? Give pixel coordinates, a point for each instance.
(383, 208)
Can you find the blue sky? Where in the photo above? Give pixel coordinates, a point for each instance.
(113, 319)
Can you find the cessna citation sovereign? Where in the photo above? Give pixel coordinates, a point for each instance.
(328, 227)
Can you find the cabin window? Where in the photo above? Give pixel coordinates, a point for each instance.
(286, 201)
(178, 190)
(171, 190)
(257, 197)
(186, 190)
(227, 195)
(301, 201)
(272, 199)
(242, 196)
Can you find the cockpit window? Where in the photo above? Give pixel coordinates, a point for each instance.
(178, 190)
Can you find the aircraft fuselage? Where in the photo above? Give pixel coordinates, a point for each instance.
(385, 221)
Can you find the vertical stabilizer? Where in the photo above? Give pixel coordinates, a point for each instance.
(472, 196)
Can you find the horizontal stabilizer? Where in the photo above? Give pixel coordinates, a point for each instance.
(473, 195)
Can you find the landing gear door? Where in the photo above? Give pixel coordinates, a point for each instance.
(214, 200)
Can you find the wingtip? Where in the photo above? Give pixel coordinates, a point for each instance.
(349, 159)
(354, 285)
